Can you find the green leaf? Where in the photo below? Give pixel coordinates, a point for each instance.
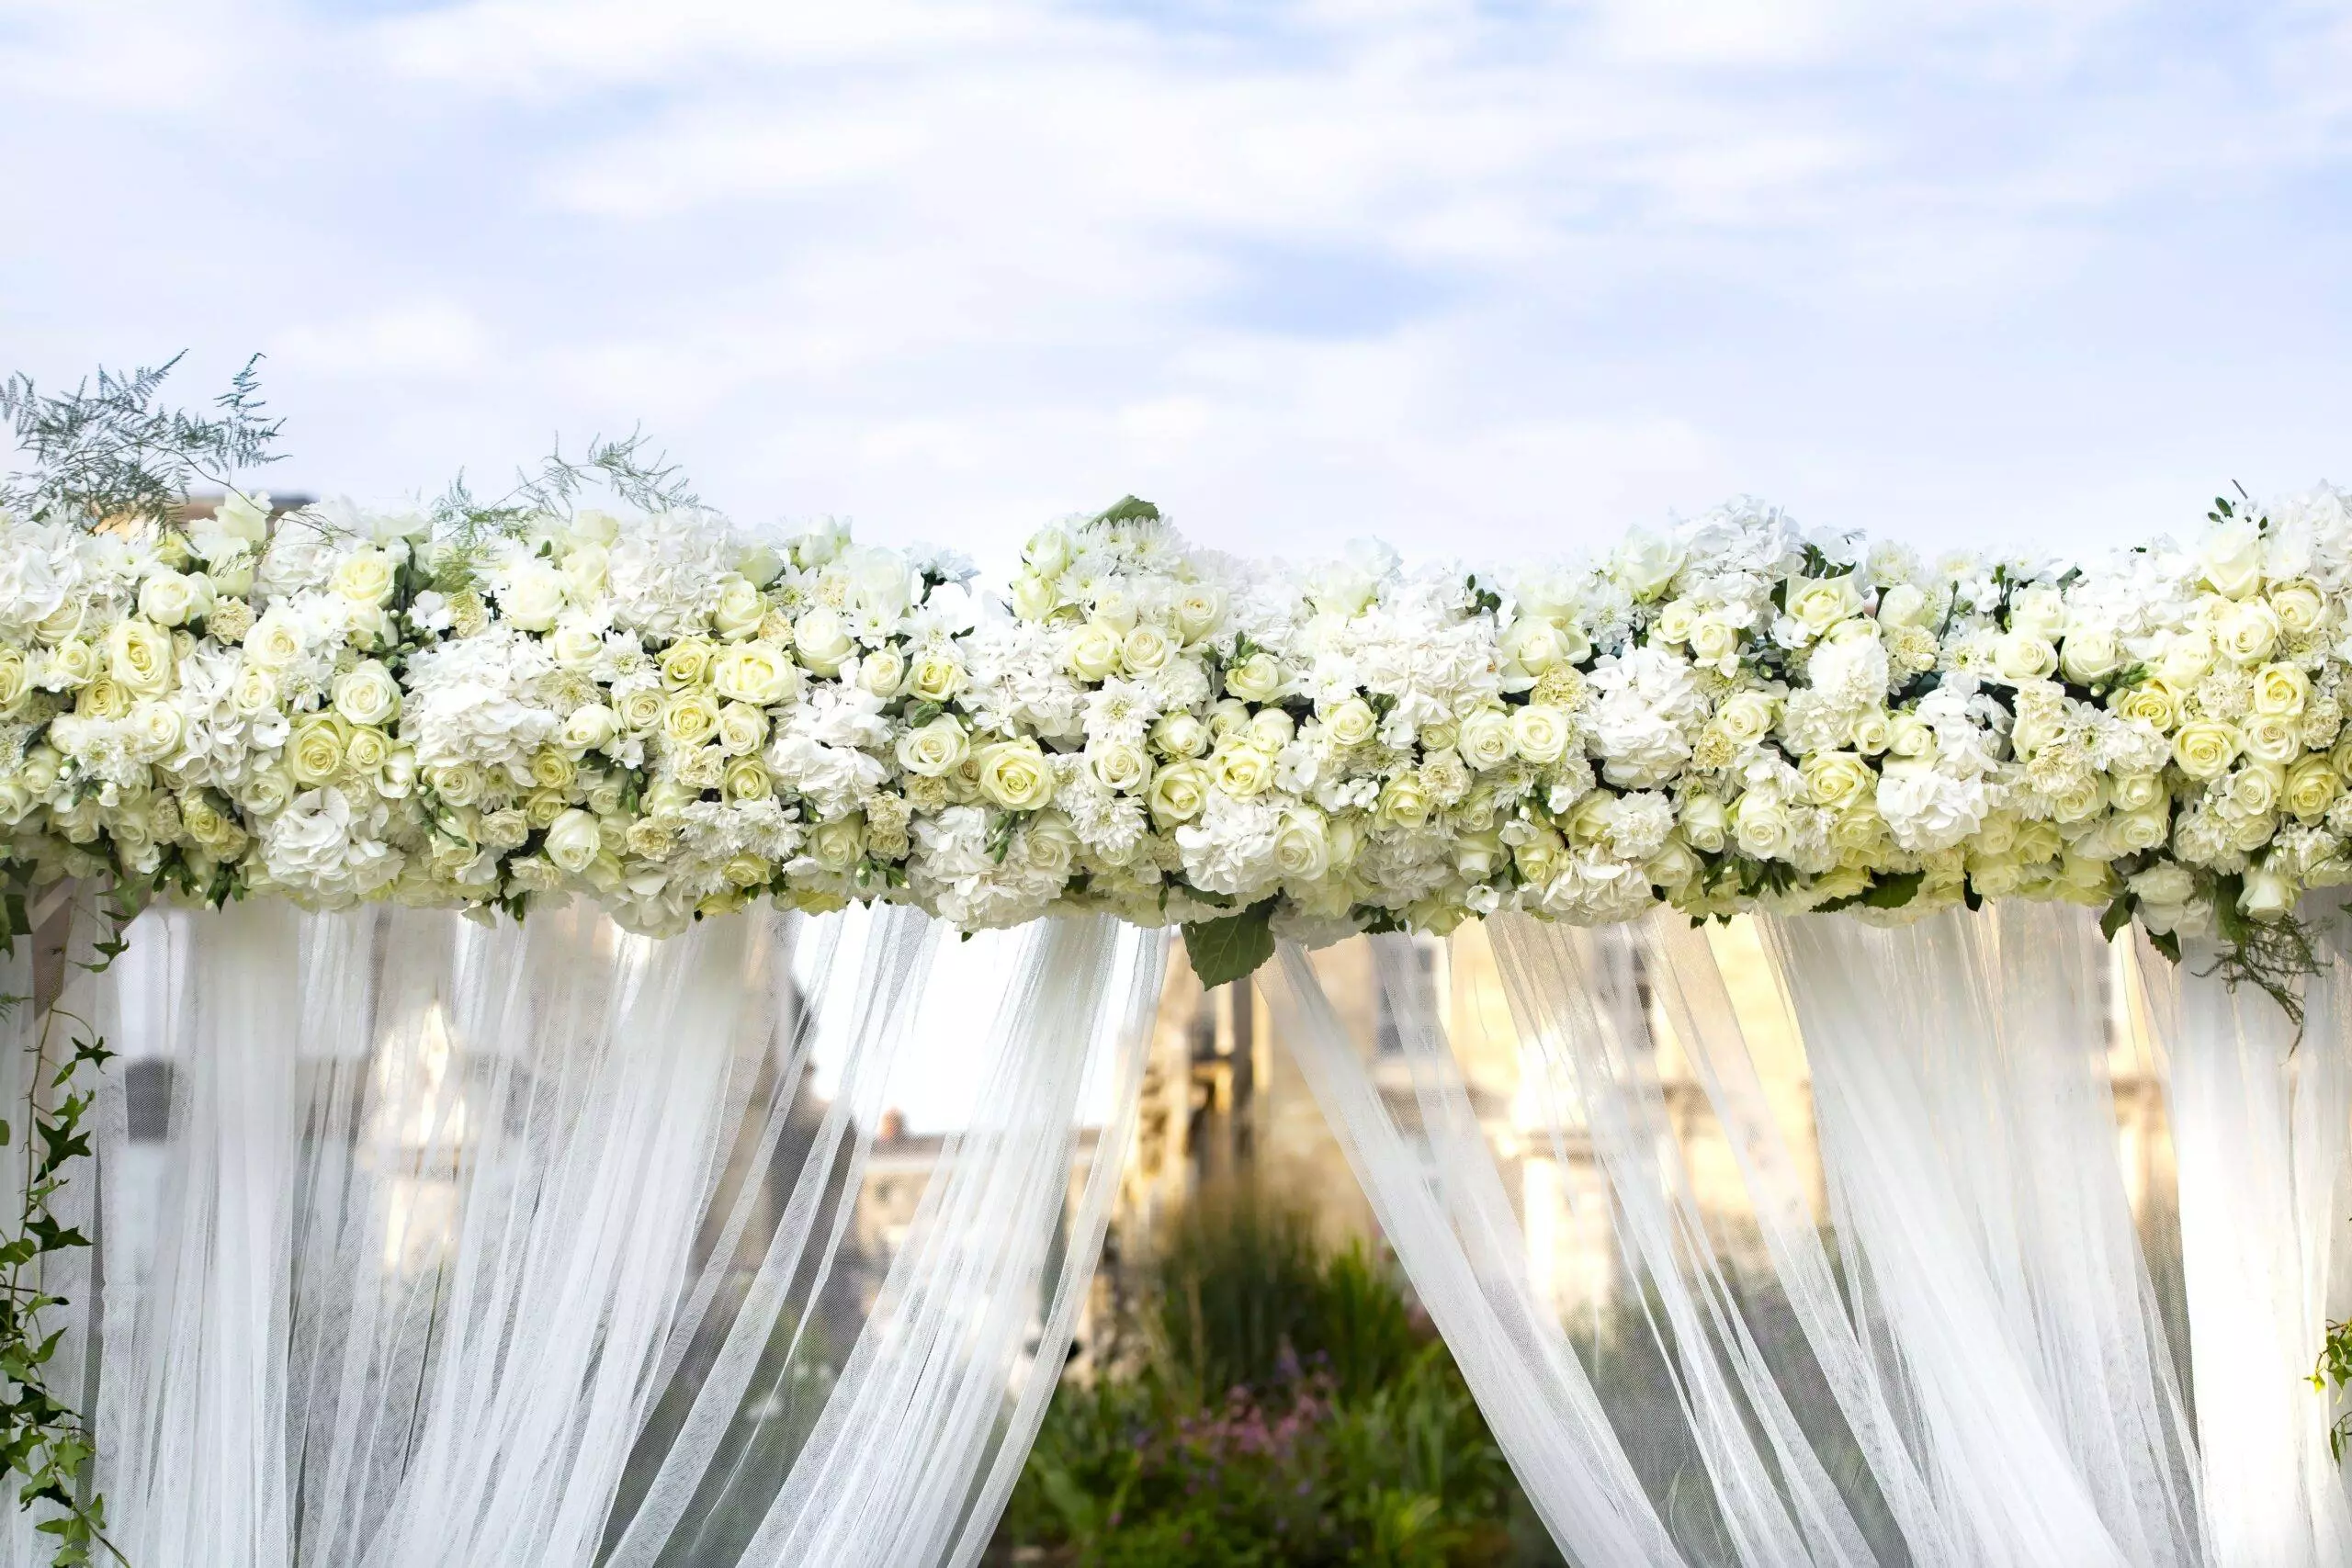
(1233, 947)
(1128, 509)
(2165, 942)
(1894, 891)
(2117, 915)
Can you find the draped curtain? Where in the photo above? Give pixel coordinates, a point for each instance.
(425, 1242)
(1956, 1339)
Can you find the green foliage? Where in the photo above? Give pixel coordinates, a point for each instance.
(2334, 1371)
(45, 1443)
(465, 525)
(1231, 948)
(115, 452)
(1290, 1410)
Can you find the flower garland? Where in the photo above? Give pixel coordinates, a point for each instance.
(674, 717)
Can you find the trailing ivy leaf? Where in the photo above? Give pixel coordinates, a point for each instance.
(1231, 947)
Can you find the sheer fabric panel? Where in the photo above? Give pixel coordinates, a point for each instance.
(428, 1242)
(1450, 1221)
(2259, 1122)
(1918, 1323)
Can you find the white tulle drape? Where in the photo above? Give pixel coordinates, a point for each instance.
(1946, 1347)
(427, 1242)
(2259, 1128)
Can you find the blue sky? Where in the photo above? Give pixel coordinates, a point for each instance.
(1484, 280)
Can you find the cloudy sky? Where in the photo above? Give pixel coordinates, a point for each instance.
(1478, 277)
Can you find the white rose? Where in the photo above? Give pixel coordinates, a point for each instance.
(1091, 652)
(532, 596)
(758, 673)
(139, 657)
(2023, 655)
(1119, 765)
(935, 750)
(823, 642)
(1713, 641)
(2040, 610)
(1762, 826)
(1485, 739)
(1646, 564)
(2268, 893)
(1302, 845)
(2245, 633)
(573, 841)
(366, 693)
(2090, 652)
(1350, 722)
(2231, 557)
(1903, 605)
(2280, 688)
(1179, 735)
(171, 598)
(576, 645)
(1256, 678)
(882, 672)
(590, 726)
(1034, 598)
(1540, 733)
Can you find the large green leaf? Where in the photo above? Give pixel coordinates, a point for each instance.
(1230, 948)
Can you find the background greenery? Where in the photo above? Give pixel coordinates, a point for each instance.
(1273, 1403)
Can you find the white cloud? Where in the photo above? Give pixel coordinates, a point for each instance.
(1493, 275)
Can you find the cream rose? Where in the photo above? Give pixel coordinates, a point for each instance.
(1350, 722)
(1838, 778)
(1819, 602)
(758, 673)
(1179, 735)
(2153, 702)
(576, 644)
(1015, 775)
(1178, 793)
(2301, 607)
(275, 640)
(315, 753)
(746, 778)
(1145, 650)
(139, 657)
(1091, 652)
(590, 726)
(1242, 770)
(739, 610)
(1745, 717)
(1713, 641)
(822, 641)
(1540, 733)
(366, 750)
(2090, 653)
(935, 677)
(2280, 688)
(687, 662)
(2205, 748)
(1119, 765)
(2271, 737)
(2231, 558)
(366, 693)
(689, 719)
(1706, 826)
(1405, 801)
(1762, 824)
(2312, 786)
(934, 749)
(882, 673)
(741, 728)
(368, 575)
(2245, 633)
(1484, 739)
(1256, 678)
(640, 710)
(573, 841)
(171, 598)
(1903, 605)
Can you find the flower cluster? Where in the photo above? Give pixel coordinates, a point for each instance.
(674, 718)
